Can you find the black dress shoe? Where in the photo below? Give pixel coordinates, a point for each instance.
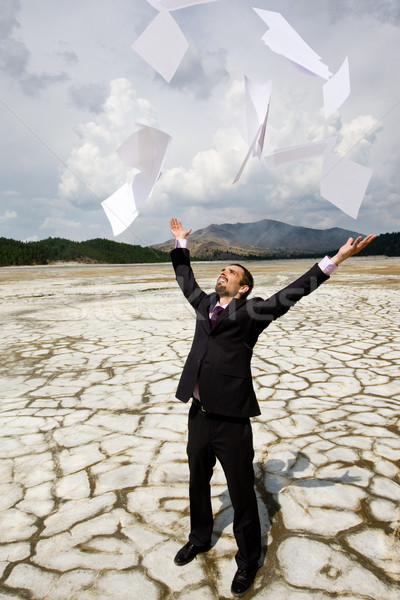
(188, 553)
(243, 581)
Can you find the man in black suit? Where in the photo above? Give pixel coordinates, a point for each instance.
(217, 376)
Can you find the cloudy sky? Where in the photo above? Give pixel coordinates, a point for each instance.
(73, 89)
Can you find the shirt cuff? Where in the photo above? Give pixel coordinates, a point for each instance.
(181, 243)
(327, 266)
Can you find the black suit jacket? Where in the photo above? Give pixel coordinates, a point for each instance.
(219, 358)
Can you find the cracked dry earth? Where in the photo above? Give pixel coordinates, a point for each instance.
(93, 473)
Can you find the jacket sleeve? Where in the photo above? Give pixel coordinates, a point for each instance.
(185, 277)
(279, 304)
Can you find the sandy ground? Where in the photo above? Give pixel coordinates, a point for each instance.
(93, 472)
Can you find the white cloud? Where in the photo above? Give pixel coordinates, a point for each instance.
(290, 193)
(357, 137)
(58, 224)
(211, 171)
(94, 170)
(109, 88)
(8, 216)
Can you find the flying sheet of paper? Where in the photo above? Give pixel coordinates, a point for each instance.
(258, 97)
(175, 4)
(337, 89)
(120, 209)
(145, 150)
(344, 183)
(162, 45)
(283, 39)
(302, 152)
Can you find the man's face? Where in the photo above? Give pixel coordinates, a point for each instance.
(229, 282)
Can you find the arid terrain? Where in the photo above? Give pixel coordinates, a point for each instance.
(93, 472)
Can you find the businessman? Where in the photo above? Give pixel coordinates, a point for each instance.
(217, 377)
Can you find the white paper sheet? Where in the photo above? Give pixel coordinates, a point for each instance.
(145, 150)
(301, 152)
(283, 39)
(162, 45)
(120, 209)
(258, 97)
(248, 155)
(337, 89)
(344, 183)
(176, 4)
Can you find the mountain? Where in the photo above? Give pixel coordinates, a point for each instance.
(262, 238)
(258, 240)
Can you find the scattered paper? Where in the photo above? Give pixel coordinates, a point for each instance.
(283, 39)
(336, 89)
(344, 183)
(162, 45)
(175, 4)
(302, 152)
(258, 98)
(120, 209)
(144, 150)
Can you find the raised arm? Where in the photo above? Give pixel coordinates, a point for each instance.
(350, 248)
(278, 304)
(183, 271)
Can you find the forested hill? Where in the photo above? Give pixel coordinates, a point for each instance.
(51, 250)
(92, 251)
(387, 244)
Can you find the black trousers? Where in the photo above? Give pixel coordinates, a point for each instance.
(230, 441)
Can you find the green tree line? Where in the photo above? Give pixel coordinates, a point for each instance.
(387, 244)
(43, 252)
(50, 250)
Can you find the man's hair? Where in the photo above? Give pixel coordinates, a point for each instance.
(247, 279)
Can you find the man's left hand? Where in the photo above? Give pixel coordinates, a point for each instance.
(350, 248)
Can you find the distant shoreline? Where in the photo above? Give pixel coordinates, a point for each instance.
(72, 263)
(83, 264)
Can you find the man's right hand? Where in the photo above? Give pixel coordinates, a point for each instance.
(177, 229)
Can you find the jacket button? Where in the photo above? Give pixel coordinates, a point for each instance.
(211, 337)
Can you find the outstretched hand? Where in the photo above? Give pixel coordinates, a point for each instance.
(177, 229)
(350, 248)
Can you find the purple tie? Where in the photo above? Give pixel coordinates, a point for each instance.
(215, 314)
